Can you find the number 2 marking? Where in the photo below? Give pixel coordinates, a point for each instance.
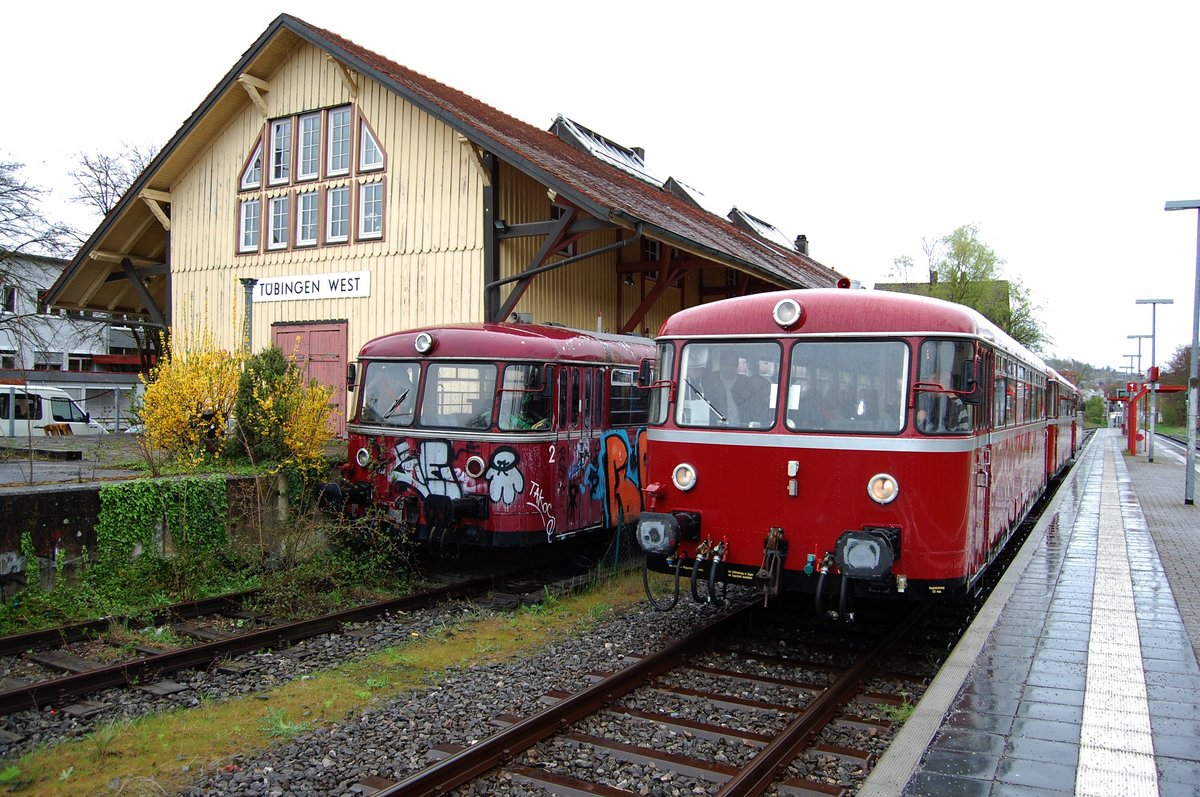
(551, 455)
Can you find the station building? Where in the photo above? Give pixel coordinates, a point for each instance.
(322, 195)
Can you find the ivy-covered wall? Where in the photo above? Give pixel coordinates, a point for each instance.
(115, 518)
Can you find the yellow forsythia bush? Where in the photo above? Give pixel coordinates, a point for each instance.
(189, 399)
(300, 411)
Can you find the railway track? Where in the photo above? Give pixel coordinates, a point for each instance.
(222, 629)
(784, 704)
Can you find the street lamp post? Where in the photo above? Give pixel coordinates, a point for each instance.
(1189, 476)
(1154, 303)
(1139, 340)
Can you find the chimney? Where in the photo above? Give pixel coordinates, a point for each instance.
(640, 152)
(802, 244)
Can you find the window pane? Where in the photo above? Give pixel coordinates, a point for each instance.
(250, 225)
(371, 156)
(371, 211)
(458, 396)
(306, 218)
(252, 177)
(939, 409)
(847, 386)
(279, 223)
(339, 141)
(660, 396)
(339, 214)
(281, 151)
(389, 393)
(629, 405)
(310, 145)
(525, 399)
(729, 385)
(65, 411)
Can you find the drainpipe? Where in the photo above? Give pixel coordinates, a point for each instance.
(248, 284)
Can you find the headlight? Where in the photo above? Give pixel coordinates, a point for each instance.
(684, 476)
(787, 313)
(363, 457)
(882, 488)
(423, 343)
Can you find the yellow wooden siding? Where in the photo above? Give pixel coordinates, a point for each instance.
(427, 269)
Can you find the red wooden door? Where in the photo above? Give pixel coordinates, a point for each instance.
(319, 348)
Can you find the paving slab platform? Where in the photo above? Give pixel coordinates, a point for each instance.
(1080, 675)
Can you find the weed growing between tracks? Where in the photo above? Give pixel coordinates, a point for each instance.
(157, 754)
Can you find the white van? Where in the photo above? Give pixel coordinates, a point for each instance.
(37, 411)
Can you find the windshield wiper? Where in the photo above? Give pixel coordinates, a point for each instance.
(395, 404)
(700, 393)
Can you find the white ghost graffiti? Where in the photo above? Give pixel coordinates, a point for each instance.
(504, 478)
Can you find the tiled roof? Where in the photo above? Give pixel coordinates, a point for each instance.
(599, 188)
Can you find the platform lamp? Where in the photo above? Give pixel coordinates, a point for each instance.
(1189, 475)
(1154, 303)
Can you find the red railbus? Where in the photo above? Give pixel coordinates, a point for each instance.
(844, 442)
(498, 435)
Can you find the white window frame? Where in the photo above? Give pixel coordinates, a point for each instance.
(252, 176)
(334, 156)
(368, 147)
(279, 208)
(244, 228)
(281, 151)
(330, 208)
(308, 218)
(309, 165)
(370, 208)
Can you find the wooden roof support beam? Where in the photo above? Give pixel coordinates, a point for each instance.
(153, 199)
(674, 273)
(138, 285)
(349, 76)
(113, 257)
(478, 153)
(253, 86)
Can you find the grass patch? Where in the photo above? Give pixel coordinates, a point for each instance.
(160, 753)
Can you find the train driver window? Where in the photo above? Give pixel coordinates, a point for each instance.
(847, 386)
(940, 408)
(729, 385)
(458, 395)
(389, 393)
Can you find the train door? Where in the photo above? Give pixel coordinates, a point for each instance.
(1052, 430)
(984, 423)
(566, 451)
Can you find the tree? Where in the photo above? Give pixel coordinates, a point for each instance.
(102, 178)
(1176, 371)
(965, 270)
(27, 238)
(24, 229)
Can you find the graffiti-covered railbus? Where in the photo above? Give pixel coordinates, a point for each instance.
(498, 435)
(845, 442)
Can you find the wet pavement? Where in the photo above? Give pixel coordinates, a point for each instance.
(1080, 675)
(46, 461)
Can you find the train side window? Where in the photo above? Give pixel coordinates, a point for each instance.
(660, 397)
(629, 405)
(585, 409)
(573, 400)
(563, 398)
(598, 399)
(526, 401)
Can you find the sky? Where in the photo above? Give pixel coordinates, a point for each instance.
(1058, 129)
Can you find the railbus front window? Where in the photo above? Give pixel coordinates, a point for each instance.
(390, 393)
(458, 395)
(728, 385)
(847, 386)
(940, 408)
(525, 399)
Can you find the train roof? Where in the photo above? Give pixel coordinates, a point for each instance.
(513, 342)
(838, 311)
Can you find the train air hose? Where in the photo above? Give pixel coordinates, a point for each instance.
(696, 565)
(650, 596)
